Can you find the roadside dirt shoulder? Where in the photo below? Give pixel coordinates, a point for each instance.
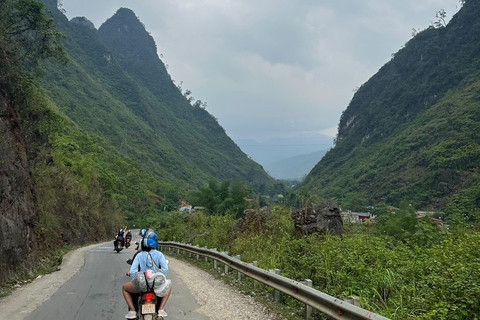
(218, 300)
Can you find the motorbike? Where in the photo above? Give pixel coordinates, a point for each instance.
(127, 242)
(146, 303)
(118, 245)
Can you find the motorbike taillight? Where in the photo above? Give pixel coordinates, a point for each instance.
(149, 297)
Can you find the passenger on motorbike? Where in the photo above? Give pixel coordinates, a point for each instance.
(143, 261)
(138, 248)
(128, 238)
(129, 235)
(119, 237)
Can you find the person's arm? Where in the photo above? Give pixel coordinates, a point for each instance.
(162, 263)
(134, 266)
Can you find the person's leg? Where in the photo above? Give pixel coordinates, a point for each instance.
(164, 300)
(127, 289)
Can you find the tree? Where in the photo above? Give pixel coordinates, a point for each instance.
(238, 193)
(188, 95)
(200, 104)
(27, 36)
(223, 199)
(223, 191)
(440, 15)
(206, 198)
(279, 188)
(400, 223)
(355, 202)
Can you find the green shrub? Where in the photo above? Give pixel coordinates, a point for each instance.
(430, 274)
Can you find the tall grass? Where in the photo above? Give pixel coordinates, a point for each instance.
(405, 279)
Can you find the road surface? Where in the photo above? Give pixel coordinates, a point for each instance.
(88, 286)
(94, 292)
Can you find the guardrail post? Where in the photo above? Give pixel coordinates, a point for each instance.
(255, 282)
(214, 260)
(308, 309)
(226, 265)
(206, 258)
(198, 256)
(276, 292)
(239, 274)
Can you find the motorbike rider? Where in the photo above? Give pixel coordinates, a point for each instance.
(129, 235)
(119, 237)
(149, 244)
(138, 248)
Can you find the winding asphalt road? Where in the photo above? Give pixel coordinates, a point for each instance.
(95, 291)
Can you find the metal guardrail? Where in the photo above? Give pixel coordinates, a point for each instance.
(331, 306)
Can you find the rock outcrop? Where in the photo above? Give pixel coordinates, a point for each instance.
(17, 215)
(255, 219)
(322, 218)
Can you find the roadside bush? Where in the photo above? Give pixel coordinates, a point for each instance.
(430, 274)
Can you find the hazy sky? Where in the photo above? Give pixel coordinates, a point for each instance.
(273, 68)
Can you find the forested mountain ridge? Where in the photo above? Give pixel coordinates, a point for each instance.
(411, 131)
(50, 194)
(117, 87)
(89, 141)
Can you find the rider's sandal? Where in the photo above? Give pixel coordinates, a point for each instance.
(162, 313)
(131, 315)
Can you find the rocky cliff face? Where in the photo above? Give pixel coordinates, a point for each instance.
(17, 215)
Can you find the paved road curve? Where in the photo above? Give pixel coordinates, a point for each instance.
(95, 291)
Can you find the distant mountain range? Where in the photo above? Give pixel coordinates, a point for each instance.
(285, 158)
(296, 167)
(276, 149)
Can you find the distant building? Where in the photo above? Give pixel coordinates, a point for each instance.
(185, 209)
(440, 222)
(356, 217)
(184, 206)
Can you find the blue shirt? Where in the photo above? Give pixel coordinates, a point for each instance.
(143, 260)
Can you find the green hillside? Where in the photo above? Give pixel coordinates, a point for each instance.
(51, 194)
(411, 132)
(116, 87)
